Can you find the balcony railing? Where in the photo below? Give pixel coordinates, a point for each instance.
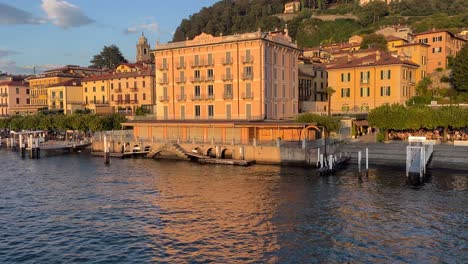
(163, 66)
(247, 59)
(226, 61)
(209, 63)
(196, 97)
(180, 65)
(118, 90)
(198, 79)
(134, 89)
(3, 94)
(164, 98)
(180, 80)
(246, 76)
(247, 95)
(227, 96)
(182, 97)
(198, 63)
(227, 77)
(208, 96)
(210, 78)
(3, 105)
(163, 81)
(119, 102)
(364, 81)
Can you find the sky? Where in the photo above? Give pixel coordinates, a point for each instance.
(45, 34)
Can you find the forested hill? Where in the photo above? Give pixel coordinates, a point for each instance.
(307, 27)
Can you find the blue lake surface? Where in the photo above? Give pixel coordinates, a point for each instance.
(74, 209)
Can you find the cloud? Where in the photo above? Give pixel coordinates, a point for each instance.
(10, 15)
(147, 26)
(64, 14)
(10, 66)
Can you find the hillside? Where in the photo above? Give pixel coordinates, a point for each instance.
(309, 29)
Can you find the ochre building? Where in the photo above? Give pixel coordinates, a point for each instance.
(237, 77)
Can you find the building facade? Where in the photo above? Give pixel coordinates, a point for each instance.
(239, 77)
(364, 83)
(66, 97)
(38, 83)
(443, 44)
(13, 94)
(313, 83)
(417, 53)
(129, 86)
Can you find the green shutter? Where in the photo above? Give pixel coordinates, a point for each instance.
(389, 71)
(381, 75)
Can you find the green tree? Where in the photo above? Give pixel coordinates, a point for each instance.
(109, 58)
(330, 123)
(372, 12)
(373, 40)
(388, 117)
(460, 70)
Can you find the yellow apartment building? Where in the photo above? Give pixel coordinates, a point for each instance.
(130, 85)
(393, 42)
(417, 53)
(66, 97)
(237, 77)
(313, 83)
(39, 82)
(13, 94)
(442, 45)
(364, 83)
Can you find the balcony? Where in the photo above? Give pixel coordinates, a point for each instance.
(209, 63)
(246, 76)
(208, 97)
(180, 65)
(164, 98)
(134, 89)
(3, 94)
(247, 95)
(227, 77)
(210, 79)
(227, 96)
(198, 63)
(163, 66)
(197, 79)
(364, 81)
(118, 90)
(180, 80)
(226, 61)
(247, 60)
(163, 81)
(3, 105)
(119, 102)
(182, 97)
(196, 97)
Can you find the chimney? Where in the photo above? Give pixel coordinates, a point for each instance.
(377, 55)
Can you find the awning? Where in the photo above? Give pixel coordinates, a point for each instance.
(361, 123)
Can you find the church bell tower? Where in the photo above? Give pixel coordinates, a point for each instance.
(143, 50)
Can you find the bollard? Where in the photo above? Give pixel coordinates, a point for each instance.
(321, 160)
(278, 142)
(303, 143)
(254, 142)
(367, 158)
(330, 162)
(38, 149)
(359, 161)
(106, 151)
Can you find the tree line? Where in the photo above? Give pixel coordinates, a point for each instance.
(81, 122)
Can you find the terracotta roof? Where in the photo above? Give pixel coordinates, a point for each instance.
(370, 60)
(303, 73)
(74, 67)
(14, 83)
(144, 72)
(413, 44)
(394, 38)
(72, 82)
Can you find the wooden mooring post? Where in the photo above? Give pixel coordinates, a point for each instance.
(106, 151)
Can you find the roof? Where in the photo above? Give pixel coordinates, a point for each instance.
(14, 83)
(72, 82)
(439, 31)
(385, 58)
(394, 38)
(144, 71)
(74, 67)
(229, 123)
(413, 44)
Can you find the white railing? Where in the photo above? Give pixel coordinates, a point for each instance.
(423, 153)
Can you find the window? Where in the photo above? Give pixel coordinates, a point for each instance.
(27, 91)
(126, 83)
(181, 62)
(164, 63)
(423, 60)
(275, 58)
(17, 100)
(282, 59)
(385, 91)
(405, 74)
(86, 89)
(423, 40)
(210, 90)
(17, 90)
(275, 90)
(282, 74)
(385, 75)
(437, 39)
(197, 111)
(248, 72)
(103, 99)
(247, 56)
(284, 91)
(346, 77)
(112, 87)
(275, 74)
(437, 50)
(210, 74)
(248, 90)
(365, 77)
(196, 74)
(197, 91)
(94, 88)
(210, 59)
(102, 88)
(197, 60)
(405, 91)
(228, 91)
(345, 92)
(210, 110)
(365, 91)
(182, 112)
(144, 96)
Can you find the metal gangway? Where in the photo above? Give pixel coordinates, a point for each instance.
(418, 154)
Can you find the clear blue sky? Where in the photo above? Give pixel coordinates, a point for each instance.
(50, 33)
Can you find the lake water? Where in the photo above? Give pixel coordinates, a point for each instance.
(74, 209)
